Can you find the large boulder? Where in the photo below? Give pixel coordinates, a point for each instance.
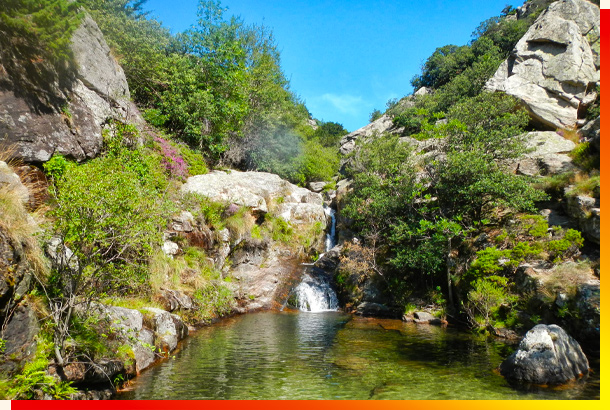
(549, 154)
(379, 126)
(546, 355)
(70, 122)
(555, 65)
(260, 191)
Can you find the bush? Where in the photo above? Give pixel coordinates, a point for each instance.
(485, 300)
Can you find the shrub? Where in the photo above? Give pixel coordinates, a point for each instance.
(565, 247)
(535, 225)
(485, 300)
(172, 161)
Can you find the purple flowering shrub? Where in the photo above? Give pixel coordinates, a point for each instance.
(171, 160)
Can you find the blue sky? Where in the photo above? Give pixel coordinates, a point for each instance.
(347, 58)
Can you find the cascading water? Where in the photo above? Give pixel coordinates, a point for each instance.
(314, 293)
(331, 236)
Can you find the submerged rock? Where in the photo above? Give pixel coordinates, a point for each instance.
(546, 355)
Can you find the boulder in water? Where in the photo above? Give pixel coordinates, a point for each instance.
(546, 355)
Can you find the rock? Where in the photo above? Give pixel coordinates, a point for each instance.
(75, 372)
(552, 66)
(423, 91)
(548, 155)
(586, 210)
(19, 335)
(375, 310)
(168, 329)
(174, 299)
(317, 186)
(104, 371)
(546, 355)
(130, 326)
(16, 276)
(96, 67)
(170, 248)
(11, 181)
(67, 118)
(260, 191)
(330, 259)
(262, 280)
(60, 255)
(590, 133)
(185, 222)
(423, 318)
(379, 126)
(144, 349)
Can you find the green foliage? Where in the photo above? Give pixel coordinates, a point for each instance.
(329, 134)
(195, 161)
(585, 157)
(280, 229)
(488, 262)
(34, 377)
(56, 166)
(588, 186)
(486, 299)
(109, 213)
(50, 24)
(375, 115)
(535, 225)
(565, 247)
(443, 65)
(214, 300)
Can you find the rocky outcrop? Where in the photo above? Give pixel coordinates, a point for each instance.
(151, 335)
(261, 192)
(585, 210)
(549, 154)
(379, 126)
(19, 336)
(72, 123)
(546, 355)
(555, 66)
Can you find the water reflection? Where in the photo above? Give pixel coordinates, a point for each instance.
(293, 355)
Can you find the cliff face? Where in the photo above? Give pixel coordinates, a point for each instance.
(554, 68)
(63, 113)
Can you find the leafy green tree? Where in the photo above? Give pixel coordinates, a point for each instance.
(330, 133)
(445, 63)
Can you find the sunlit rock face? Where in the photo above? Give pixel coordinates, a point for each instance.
(64, 112)
(546, 355)
(554, 68)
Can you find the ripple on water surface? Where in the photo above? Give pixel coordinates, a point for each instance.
(330, 355)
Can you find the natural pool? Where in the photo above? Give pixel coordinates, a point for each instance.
(297, 355)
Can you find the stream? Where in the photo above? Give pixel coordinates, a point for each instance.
(331, 355)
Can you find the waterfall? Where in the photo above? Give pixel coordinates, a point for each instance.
(314, 294)
(331, 236)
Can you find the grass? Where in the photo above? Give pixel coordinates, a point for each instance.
(566, 278)
(21, 226)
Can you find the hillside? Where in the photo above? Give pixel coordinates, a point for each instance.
(153, 183)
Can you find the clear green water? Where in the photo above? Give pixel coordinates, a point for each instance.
(293, 355)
